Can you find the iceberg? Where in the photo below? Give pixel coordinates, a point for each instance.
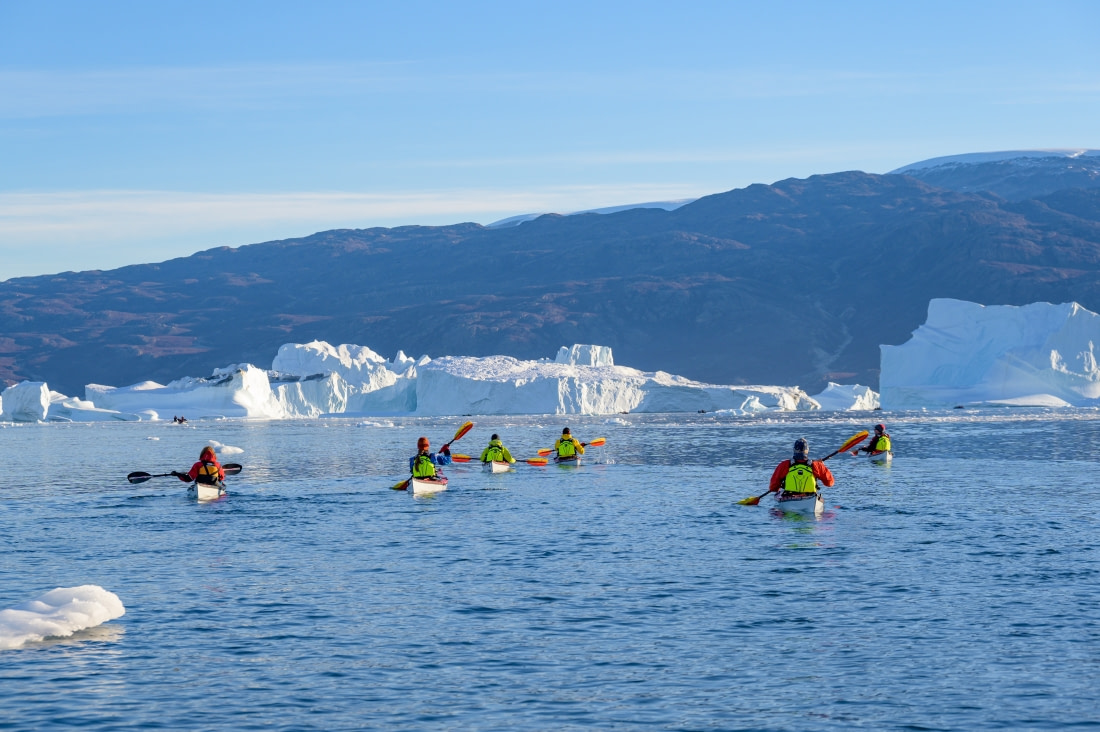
(847, 397)
(316, 379)
(242, 390)
(1040, 355)
(27, 401)
(504, 385)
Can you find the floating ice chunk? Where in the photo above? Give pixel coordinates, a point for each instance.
(58, 613)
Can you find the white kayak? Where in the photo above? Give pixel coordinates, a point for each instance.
(881, 458)
(804, 503)
(496, 466)
(206, 491)
(428, 485)
(571, 461)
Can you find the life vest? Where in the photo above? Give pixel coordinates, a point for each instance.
(800, 478)
(881, 444)
(493, 453)
(566, 447)
(208, 474)
(423, 467)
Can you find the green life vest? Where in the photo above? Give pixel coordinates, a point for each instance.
(881, 444)
(493, 453)
(423, 467)
(800, 478)
(566, 448)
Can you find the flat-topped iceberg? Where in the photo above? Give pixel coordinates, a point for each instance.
(969, 354)
(504, 385)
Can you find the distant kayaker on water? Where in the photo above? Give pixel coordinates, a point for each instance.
(496, 452)
(800, 474)
(879, 443)
(567, 446)
(207, 470)
(422, 465)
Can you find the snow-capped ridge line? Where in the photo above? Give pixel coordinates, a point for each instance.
(993, 157)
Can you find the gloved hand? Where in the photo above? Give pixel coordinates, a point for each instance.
(446, 451)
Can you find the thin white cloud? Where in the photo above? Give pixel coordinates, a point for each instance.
(57, 231)
(47, 93)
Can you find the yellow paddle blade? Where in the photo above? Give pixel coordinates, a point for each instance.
(403, 485)
(750, 501)
(854, 440)
(463, 430)
(461, 458)
(536, 461)
(598, 442)
(545, 451)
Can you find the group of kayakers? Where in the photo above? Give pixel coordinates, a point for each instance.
(800, 474)
(423, 464)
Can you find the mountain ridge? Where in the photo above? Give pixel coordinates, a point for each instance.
(794, 283)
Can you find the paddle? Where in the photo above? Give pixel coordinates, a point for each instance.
(598, 442)
(529, 461)
(141, 477)
(404, 485)
(852, 442)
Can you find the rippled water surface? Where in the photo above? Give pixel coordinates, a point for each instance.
(958, 589)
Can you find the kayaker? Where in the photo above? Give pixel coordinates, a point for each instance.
(422, 465)
(567, 446)
(496, 452)
(879, 443)
(800, 474)
(207, 470)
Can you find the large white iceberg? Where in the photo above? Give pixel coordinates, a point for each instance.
(27, 401)
(242, 390)
(969, 354)
(313, 379)
(504, 385)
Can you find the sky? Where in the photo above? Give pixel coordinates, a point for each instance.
(135, 132)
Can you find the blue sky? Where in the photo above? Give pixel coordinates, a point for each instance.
(140, 131)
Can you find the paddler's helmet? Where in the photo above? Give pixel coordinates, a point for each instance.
(801, 448)
(880, 428)
(422, 443)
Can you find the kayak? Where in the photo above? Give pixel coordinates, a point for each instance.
(428, 485)
(206, 491)
(881, 458)
(804, 503)
(571, 461)
(496, 466)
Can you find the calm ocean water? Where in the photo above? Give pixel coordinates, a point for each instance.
(958, 589)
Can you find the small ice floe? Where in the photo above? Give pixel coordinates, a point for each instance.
(155, 439)
(221, 449)
(58, 613)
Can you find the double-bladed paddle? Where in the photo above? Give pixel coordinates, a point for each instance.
(403, 485)
(140, 477)
(852, 442)
(529, 461)
(598, 442)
